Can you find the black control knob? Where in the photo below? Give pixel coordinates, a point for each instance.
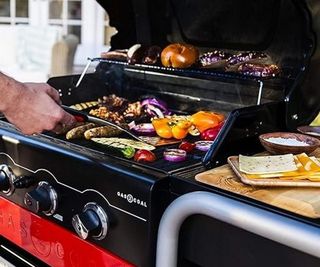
(42, 199)
(4, 181)
(7, 179)
(92, 221)
(24, 181)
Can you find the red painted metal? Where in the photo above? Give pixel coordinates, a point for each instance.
(50, 243)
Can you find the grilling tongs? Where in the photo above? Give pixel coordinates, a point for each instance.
(82, 117)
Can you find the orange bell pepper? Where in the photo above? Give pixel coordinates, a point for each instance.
(168, 128)
(180, 129)
(162, 127)
(204, 120)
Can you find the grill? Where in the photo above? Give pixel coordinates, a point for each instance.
(114, 204)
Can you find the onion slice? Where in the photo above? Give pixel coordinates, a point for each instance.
(155, 102)
(174, 155)
(144, 129)
(203, 145)
(152, 110)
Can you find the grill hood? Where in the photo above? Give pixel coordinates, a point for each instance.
(286, 30)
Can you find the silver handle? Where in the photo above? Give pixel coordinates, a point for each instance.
(283, 230)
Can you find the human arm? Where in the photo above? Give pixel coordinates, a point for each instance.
(32, 107)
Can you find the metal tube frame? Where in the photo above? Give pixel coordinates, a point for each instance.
(284, 230)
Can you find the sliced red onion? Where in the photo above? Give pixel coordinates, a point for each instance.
(144, 129)
(155, 102)
(203, 145)
(174, 155)
(154, 111)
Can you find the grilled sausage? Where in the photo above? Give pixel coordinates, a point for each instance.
(120, 54)
(103, 131)
(78, 132)
(68, 128)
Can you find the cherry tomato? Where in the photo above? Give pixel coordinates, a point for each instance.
(210, 134)
(144, 155)
(186, 146)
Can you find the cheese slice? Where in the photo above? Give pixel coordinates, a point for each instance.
(307, 168)
(267, 164)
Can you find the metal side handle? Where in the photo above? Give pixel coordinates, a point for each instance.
(283, 230)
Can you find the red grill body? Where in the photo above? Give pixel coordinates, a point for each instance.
(50, 243)
(40, 220)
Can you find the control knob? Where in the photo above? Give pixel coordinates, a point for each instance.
(7, 179)
(92, 221)
(43, 198)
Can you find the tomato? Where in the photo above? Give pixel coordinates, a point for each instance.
(144, 155)
(186, 146)
(210, 134)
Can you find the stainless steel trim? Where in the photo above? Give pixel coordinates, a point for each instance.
(53, 197)
(16, 255)
(306, 238)
(260, 92)
(103, 219)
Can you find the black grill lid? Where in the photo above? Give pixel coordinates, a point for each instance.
(285, 29)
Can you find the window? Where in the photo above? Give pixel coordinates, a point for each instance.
(68, 14)
(84, 18)
(14, 12)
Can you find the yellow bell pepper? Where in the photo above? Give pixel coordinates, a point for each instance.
(162, 127)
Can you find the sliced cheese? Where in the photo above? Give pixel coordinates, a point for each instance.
(307, 168)
(267, 164)
(308, 163)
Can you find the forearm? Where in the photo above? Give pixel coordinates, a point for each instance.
(10, 91)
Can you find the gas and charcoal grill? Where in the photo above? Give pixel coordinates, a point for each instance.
(54, 190)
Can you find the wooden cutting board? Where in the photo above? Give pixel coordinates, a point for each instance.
(303, 201)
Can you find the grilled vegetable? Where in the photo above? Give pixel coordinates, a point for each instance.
(116, 147)
(174, 155)
(203, 145)
(210, 134)
(144, 156)
(204, 120)
(85, 105)
(123, 141)
(186, 146)
(215, 59)
(103, 131)
(144, 129)
(78, 132)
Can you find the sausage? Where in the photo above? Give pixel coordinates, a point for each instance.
(68, 128)
(78, 132)
(103, 131)
(115, 55)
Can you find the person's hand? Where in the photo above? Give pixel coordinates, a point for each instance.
(35, 108)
